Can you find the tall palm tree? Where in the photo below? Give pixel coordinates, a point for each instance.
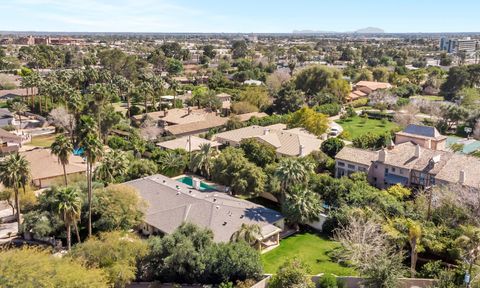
(250, 233)
(19, 108)
(114, 165)
(62, 147)
(93, 150)
(69, 205)
(291, 172)
(414, 234)
(201, 160)
(172, 163)
(301, 205)
(146, 91)
(15, 173)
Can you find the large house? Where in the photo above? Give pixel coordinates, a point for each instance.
(291, 142)
(191, 121)
(188, 143)
(409, 164)
(9, 142)
(171, 203)
(364, 88)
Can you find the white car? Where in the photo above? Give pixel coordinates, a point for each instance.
(334, 131)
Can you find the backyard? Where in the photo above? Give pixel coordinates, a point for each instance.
(309, 248)
(42, 141)
(356, 126)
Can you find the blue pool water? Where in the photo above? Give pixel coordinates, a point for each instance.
(188, 181)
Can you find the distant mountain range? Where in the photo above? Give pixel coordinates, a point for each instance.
(367, 30)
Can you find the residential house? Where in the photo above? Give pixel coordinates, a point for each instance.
(409, 164)
(171, 203)
(9, 142)
(188, 143)
(292, 142)
(45, 169)
(364, 88)
(425, 136)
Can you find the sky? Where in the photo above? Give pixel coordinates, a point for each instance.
(245, 16)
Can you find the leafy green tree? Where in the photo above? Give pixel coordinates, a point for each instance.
(113, 168)
(332, 146)
(68, 204)
(15, 174)
(288, 99)
(116, 253)
(239, 49)
(255, 95)
(172, 162)
(174, 66)
(313, 122)
(31, 267)
(141, 168)
(469, 97)
(118, 207)
(328, 281)
(257, 152)
(62, 147)
(209, 51)
(469, 245)
(301, 205)
(292, 274)
(321, 78)
(233, 123)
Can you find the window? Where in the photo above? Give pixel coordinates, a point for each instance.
(341, 164)
(393, 169)
(350, 166)
(386, 170)
(401, 171)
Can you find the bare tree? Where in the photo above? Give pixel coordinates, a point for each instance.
(149, 129)
(277, 79)
(60, 118)
(407, 116)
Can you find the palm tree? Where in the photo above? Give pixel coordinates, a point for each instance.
(469, 243)
(69, 205)
(147, 90)
(201, 160)
(301, 205)
(15, 173)
(414, 234)
(62, 147)
(19, 108)
(93, 150)
(172, 163)
(291, 172)
(250, 233)
(114, 165)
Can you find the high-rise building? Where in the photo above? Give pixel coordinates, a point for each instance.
(458, 45)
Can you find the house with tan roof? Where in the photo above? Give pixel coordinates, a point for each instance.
(411, 165)
(188, 143)
(292, 142)
(9, 142)
(172, 203)
(45, 169)
(363, 88)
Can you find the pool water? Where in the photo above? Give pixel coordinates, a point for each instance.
(188, 181)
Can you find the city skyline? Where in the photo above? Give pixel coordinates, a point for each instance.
(211, 16)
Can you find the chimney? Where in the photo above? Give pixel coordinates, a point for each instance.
(417, 151)
(165, 112)
(463, 177)
(302, 150)
(382, 156)
(196, 183)
(266, 131)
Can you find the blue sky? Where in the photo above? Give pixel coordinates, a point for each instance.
(239, 16)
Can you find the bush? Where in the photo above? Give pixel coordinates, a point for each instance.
(332, 146)
(328, 281)
(135, 110)
(9, 128)
(330, 109)
(359, 102)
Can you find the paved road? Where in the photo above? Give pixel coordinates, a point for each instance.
(6, 228)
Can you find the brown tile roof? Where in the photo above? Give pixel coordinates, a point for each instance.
(171, 203)
(45, 165)
(6, 136)
(372, 85)
(183, 143)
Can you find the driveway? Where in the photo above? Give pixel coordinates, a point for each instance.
(7, 228)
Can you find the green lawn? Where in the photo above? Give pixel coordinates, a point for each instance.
(357, 126)
(311, 249)
(428, 97)
(42, 141)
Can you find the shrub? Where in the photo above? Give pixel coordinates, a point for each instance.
(332, 146)
(328, 281)
(330, 109)
(359, 102)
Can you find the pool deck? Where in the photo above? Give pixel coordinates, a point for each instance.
(216, 186)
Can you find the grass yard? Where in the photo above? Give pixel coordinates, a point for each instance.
(309, 248)
(357, 126)
(42, 141)
(428, 97)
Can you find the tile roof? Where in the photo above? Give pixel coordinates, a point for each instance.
(6, 136)
(286, 142)
(170, 203)
(183, 143)
(372, 85)
(45, 165)
(357, 155)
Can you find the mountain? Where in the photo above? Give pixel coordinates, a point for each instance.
(370, 30)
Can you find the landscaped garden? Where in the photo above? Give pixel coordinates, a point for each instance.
(311, 249)
(42, 141)
(356, 126)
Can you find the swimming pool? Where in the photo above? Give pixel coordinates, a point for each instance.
(188, 181)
